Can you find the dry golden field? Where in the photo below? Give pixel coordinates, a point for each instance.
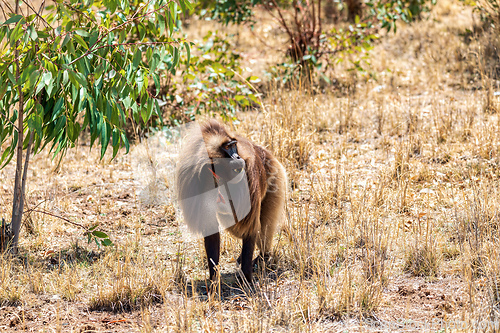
(392, 222)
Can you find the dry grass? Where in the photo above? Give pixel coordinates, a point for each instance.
(393, 215)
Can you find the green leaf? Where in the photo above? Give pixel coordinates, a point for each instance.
(158, 110)
(33, 79)
(93, 38)
(73, 80)
(170, 23)
(116, 137)
(161, 23)
(57, 108)
(253, 98)
(4, 157)
(175, 62)
(144, 114)
(32, 32)
(65, 77)
(42, 34)
(188, 52)
(26, 73)
(60, 124)
(183, 7)
(3, 90)
(105, 134)
(125, 142)
(82, 33)
(150, 108)
(254, 79)
(73, 131)
(116, 141)
(186, 5)
(66, 40)
(35, 124)
(81, 79)
(111, 74)
(127, 102)
(3, 31)
(110, 5)
(156, 79)
(47, 78)
(106, 242)
(80, 41)
(173, 11)
(71, 47)
(142, 30)
(137, 59)
(99, 234)
(69, 25)
(13, 19)
(16, 34)
(140, 81)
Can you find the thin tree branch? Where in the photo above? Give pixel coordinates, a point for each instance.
(42, 6)
(6, 4)
(28, 211)
(8, 120)
(3, 12)
(59, 217)
(37, 13)
(77, 10)
(296, 10)
(281, 19)
(314, 17)
(318, 37)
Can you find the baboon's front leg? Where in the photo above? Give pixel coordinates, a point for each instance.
(212, 248)
(246, 257)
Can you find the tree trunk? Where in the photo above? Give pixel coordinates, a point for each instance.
(18, 202)
(20, 207)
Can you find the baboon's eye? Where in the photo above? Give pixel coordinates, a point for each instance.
(229, 145)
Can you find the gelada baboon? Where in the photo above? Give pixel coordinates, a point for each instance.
(225, 181)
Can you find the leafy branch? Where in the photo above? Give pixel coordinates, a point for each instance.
(90, 232)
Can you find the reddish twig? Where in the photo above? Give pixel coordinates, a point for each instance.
(37, 13)
(59, 217)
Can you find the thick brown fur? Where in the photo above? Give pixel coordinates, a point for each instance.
(266, 179)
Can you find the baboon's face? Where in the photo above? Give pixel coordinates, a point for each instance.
(228, 165)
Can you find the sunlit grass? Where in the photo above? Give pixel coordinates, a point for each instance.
(393, 203)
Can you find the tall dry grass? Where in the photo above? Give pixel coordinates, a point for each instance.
(393, 204)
